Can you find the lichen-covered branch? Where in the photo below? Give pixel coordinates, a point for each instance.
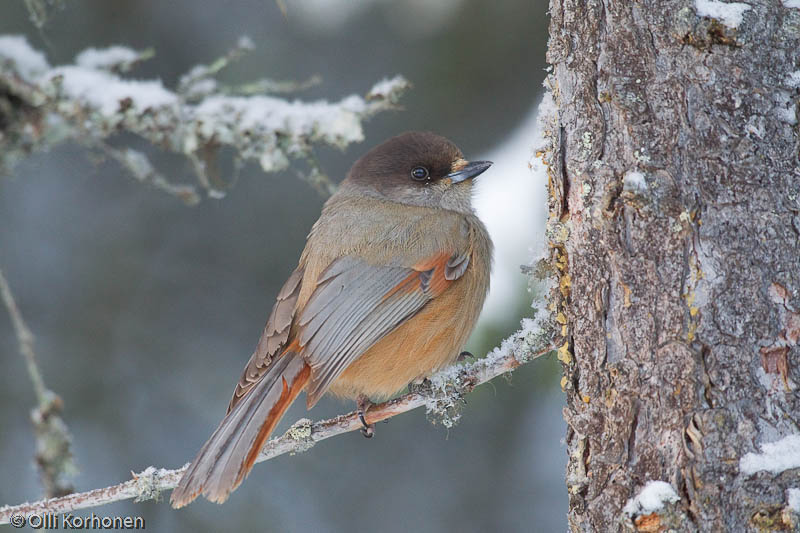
(53, 441)
(90, 102)
(442, 396)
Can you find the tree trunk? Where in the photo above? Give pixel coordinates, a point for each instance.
(674, 220)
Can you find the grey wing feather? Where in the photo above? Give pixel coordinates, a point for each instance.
(273, 338)
(355, 306)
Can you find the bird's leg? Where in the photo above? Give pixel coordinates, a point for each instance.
(363, 404)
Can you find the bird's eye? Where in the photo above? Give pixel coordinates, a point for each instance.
(420, 173)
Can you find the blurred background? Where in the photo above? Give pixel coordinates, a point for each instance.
(145, 310)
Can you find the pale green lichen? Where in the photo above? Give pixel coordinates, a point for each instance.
(147, 483)
(641, 157)
(445, 390)
(557, 232)
(300, 432)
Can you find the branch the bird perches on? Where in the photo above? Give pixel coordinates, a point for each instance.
(440, 395)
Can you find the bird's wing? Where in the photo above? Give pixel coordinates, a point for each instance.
(273, 338)
(354, 304)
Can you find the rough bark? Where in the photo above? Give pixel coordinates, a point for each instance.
(675, 224)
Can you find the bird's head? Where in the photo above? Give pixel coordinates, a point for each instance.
(416, 168)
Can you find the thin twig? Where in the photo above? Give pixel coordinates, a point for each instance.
(139, 166)
(25, 340)
(53, 442)
(298, 438)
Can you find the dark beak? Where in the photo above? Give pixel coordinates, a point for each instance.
(472, 169)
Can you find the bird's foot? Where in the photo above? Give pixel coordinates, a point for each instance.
(463, 356)
(363, 404)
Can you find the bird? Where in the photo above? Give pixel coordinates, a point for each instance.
(386, 292)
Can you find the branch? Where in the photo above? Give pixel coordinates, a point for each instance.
(53, 442)
(90, 103)
(442, 395)
(24, 339)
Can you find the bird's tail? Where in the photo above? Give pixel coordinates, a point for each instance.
(226, 459)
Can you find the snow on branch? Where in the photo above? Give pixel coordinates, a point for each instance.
(89, 102)
(441, 395)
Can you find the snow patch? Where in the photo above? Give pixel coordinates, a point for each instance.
(105, 91)
(386, 87)
(29, 63)
(105, 58)
(787, 115)
(793, 499)
(793, 78)
(730, 14)
(775, 457)
(528, 328)
(634, 181)
(651, 498)
(265, 113)
(792, 4)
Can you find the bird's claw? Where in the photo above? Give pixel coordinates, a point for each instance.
(369, 429)
(363, 403)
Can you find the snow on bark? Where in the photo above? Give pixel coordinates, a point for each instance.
(651, 498)
(775, 457)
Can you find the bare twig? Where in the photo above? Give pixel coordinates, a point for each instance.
(438, 395)
(140, 167)
(25, 340)
(53, 442)
(201, 73)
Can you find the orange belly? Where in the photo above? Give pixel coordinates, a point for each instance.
(427, 342)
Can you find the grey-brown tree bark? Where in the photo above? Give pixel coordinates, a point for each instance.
(675, 225)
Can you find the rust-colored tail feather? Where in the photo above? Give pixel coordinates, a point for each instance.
(231, 451)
